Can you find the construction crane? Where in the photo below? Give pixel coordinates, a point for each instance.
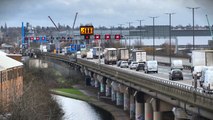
(74, 24)
(53, 23)
(210, 28)
(57, 43)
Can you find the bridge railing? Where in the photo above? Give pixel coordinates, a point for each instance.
(175, 90)
(179, 91)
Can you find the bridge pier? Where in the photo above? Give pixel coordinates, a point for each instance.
(102, 80)
(114, 91)
(86, 72)
(148, 111)
(113, 96)
(139, 107)
(96, 81)
(132, 104)
(119, 98)
(92, 82)
(157, 115)
(108, 88)
(126, 99)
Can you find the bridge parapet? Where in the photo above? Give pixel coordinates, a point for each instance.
(175, 90)
(179, 91)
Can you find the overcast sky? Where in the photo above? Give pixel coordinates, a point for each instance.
(103, 12)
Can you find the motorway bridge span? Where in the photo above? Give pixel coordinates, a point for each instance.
(144, 95)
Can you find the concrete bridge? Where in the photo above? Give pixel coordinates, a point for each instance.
(144, 96)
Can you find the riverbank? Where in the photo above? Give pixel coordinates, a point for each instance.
(90, 96)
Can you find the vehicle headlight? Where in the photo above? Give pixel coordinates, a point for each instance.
(198, 74)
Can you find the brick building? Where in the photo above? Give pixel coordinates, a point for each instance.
(11, 79)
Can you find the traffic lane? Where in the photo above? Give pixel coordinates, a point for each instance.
(187, 75)
(187, 80)
(163, 72)
(166, 59)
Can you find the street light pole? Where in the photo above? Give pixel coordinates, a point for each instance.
(99, 47)
(121, 29)
(111, 28)
(129, 32)
(170, 27)
(140, 30)
(193, 22)
(153, 18)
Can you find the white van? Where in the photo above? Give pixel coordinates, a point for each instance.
(203, 72)
(177, 64)
(89, 55)
(197, 71)
(151, 66)
(208, 81)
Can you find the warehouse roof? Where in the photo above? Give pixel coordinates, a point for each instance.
(7, 62)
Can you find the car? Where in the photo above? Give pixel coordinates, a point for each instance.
(151, 66)
(175, 74)
(124, 64)
(118, 63)
(133, 65)
(140, 66)
(129, 61)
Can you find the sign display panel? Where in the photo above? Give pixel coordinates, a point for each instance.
(86, 30)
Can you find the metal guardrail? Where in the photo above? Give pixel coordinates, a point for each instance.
(185, 93)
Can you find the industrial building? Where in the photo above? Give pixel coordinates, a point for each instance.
(11, 78)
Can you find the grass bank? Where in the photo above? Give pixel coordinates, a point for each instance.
(71, 92)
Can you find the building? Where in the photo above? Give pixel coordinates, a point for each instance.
(11, 79)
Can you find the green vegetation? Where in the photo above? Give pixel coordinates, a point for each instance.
(70, 90)
(36, 103)
(71, 93)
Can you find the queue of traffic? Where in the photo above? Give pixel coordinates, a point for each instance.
(201, 63)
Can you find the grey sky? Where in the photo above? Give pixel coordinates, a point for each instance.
(103, 12)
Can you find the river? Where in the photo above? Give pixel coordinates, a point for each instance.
(80, 110)
(73, 109)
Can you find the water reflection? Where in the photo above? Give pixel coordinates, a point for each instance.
(80, 110)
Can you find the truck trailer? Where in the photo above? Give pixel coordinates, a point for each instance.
(96, 52)
(123, 54)
(139, 56)
(110, 55)
(202, 58)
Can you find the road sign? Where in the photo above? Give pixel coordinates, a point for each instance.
(97, 37)
(43, 38)
(73, 48)
(31, 38)
(37, 38)
(117, 37)
(86, 30)
(107, 37)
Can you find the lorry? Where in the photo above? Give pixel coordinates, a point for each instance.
(96, 52)
(122, 54)
(201, 58)
(139, 56)
(177, 64)
(110, 55)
